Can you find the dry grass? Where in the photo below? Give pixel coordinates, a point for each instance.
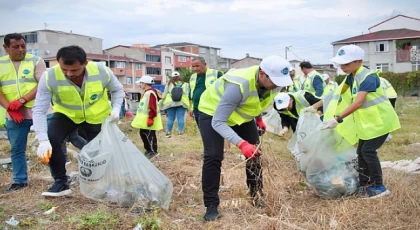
(291, 205)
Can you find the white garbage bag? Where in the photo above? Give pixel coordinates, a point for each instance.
(112, 169)
(273, 122)
(325, 158)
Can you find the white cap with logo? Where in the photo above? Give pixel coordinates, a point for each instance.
(348, 53)
(146, 79)
(277, 69)
(175, 74)
(282, 100)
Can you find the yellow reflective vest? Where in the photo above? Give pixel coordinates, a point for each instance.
(167, 102)
(389, 90)
(250, 107)
(308, 85)
(297, 84)
(90, 103)
(374, 118)
(15, 85)
(331, 86)
(140, 121)
(211, 76)
(300, 103)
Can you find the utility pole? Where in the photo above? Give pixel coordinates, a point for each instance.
(285, 50)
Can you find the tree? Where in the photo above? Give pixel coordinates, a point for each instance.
(185, 73)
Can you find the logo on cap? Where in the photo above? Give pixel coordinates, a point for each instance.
(341, 53)
(279, 101)
(285, 71)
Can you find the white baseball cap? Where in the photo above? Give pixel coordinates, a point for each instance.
(175, 74)
(146, 79)
(347, 54)
(282, 100)
(325, 76)
(277, 69)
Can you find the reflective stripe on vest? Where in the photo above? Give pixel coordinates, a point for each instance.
(140, 120)
(211, 76)
(93, 106)
(167, 101)
(300, 103)
(16, 84)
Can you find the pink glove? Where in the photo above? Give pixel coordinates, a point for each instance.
(260, 123)
(248, 150)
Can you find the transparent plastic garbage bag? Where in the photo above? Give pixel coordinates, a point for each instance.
(273, 122)
(112, 169)
(325, 158)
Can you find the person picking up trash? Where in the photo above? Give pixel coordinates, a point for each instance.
(78, 89)
(290, 105)
(365, 115)
(148, 118)
(231, 108)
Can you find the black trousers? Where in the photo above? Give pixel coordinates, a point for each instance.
(59, 128)
(149, 140)
(370, 172)
(213, 157)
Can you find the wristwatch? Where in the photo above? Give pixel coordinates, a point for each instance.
(339, 119)
(22, 100)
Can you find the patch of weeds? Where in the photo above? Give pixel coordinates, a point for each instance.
(1, 211)
(28, 222)
(44, 206)
(150, 223)
(98, 220)
(301, 186)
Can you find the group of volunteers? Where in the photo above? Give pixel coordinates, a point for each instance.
(225, 106)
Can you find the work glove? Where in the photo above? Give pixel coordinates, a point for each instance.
(44, 151)
(14, 105)
(149, 122)
(330, 124)
(115, 115)
(260, 123)
(16, 115)
(248, 150)
(284, 131)
(309, 109)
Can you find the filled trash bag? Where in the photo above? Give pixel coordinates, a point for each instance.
(112, 169)
(324, 157)
(273, 122)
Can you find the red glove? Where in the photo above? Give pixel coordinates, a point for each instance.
(15, 105)
(149, 122)
(260, 123)
(248, 150)
(16, 115)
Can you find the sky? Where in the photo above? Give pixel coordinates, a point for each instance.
(260, 28)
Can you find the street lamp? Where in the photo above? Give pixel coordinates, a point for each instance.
(285, 50)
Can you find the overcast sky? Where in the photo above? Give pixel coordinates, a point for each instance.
(260, 28)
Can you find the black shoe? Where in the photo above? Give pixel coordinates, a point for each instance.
(211, 213)
(59, 188)
(15, 187)
(147, 154)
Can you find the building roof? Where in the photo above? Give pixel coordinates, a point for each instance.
(294, 60)
(178, 44)
(389, 19)
(120, 46)
(104, 57)
(182, 53)
(259, 59)
(56, 31)
(382, 35)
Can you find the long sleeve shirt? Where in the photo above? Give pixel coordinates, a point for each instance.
(44, 96)
(152, 104)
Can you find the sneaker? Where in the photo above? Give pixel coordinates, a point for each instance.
(374, 192)
(361, 191)
(59, 188)
(211, 213)
(147, 154)
(180, 133)
(152, 155)
(168, 135)
(15, 187)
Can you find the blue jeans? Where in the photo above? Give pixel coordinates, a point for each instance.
(18, 138)
(179, 113)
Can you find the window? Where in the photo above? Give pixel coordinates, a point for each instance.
(384, 67)
(211, 51)
(294, 65)
(382, 46)
(168, 60)
(168, 72)
(138, 66)
(152, 58)
(203, 50)
(182, 58)
(415, 66)
(120, 64)
(153, 70)
(218, 52)
(31, 38)
(129, 80)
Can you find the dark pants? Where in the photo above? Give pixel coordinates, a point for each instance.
(393, 100)
(149, 140)
(59, 128)
(370, 172)
(196, 116)
(76, 140)
(213, 157)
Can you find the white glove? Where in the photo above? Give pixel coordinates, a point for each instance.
(330, 124)
(309, 109)
(44, 151)
(115, 115)
(284, 131)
